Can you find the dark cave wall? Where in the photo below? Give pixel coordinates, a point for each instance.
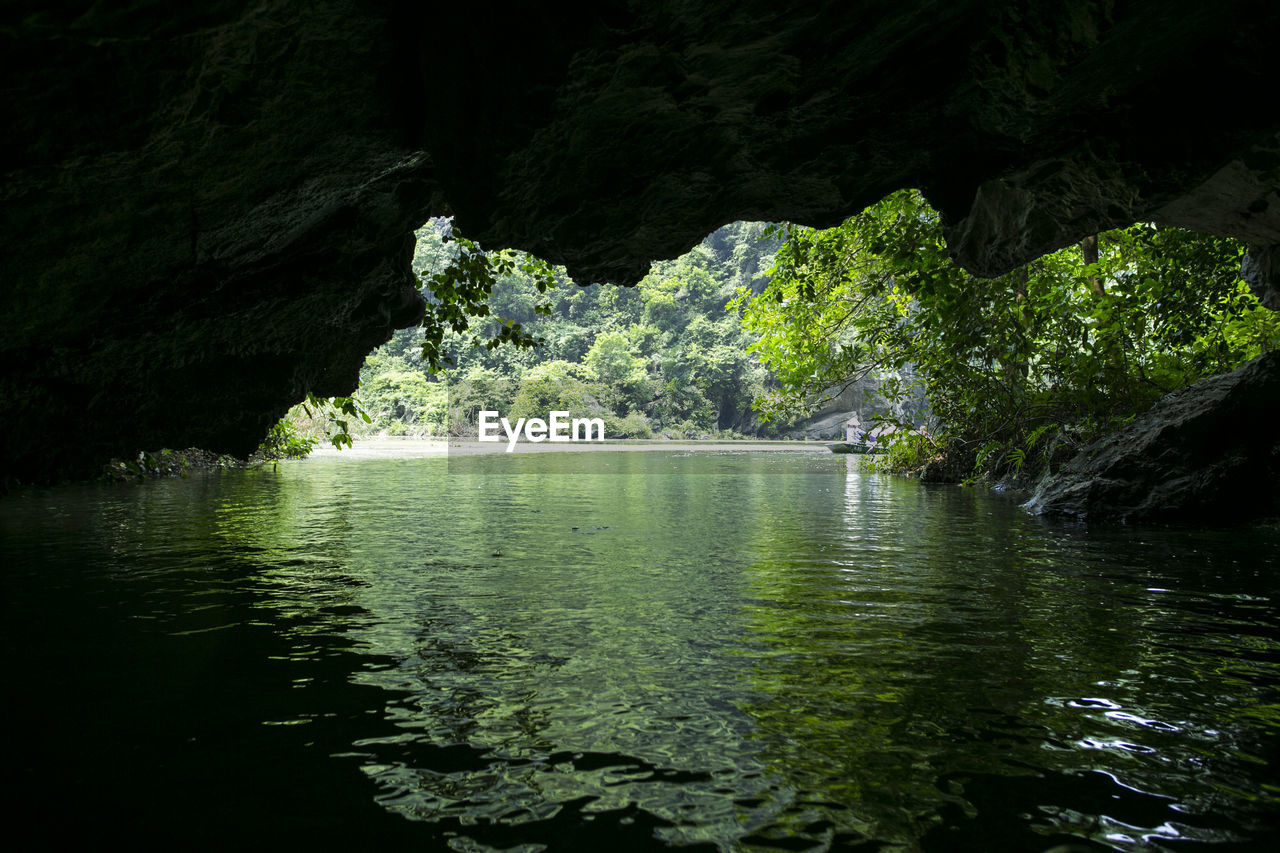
(1030, 125)
(210, 216)
(208, 209)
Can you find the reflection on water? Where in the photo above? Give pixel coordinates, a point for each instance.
(732, 652)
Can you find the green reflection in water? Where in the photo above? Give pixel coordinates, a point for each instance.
(739, 650)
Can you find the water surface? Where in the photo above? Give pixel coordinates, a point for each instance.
(728, 651)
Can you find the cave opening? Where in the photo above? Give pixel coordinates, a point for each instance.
(947, 523)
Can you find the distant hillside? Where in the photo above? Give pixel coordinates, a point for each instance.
(664, 357)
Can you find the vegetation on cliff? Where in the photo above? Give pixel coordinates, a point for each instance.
(505, 331)
(1018, 370)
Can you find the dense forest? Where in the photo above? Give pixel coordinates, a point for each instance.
(663, 358)
(1019, 371)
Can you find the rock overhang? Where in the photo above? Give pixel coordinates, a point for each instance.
(208, 211)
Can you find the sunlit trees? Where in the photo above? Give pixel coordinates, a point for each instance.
(1065, 347)
(663, 356)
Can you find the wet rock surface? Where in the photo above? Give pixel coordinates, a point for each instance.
(207, 209)
(1208, 453)
(1261, 269)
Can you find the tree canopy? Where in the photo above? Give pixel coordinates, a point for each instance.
(1064, 348)
(509, 331)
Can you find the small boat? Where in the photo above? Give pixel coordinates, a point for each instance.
(849, 447)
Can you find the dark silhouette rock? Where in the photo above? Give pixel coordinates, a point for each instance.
(1260, 267)
(1210, 453)
(208, 208)
(941, 471)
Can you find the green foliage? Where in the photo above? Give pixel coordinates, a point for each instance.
(652, 357)
(400, 398)
(463, 291)
(337, 414)
(285, 441)
(554, 386)
(612, 360)
(146, 465)
(910, 451)
(634, 425)
(479, 387)
(1058, 346)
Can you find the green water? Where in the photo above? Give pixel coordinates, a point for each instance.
(616, 651)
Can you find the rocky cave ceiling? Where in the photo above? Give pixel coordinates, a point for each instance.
(208, 209)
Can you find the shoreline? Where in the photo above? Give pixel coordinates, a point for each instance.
(401, 447)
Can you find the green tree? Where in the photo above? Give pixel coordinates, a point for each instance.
(661, 354)
(1075, 341)
(555, 386)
